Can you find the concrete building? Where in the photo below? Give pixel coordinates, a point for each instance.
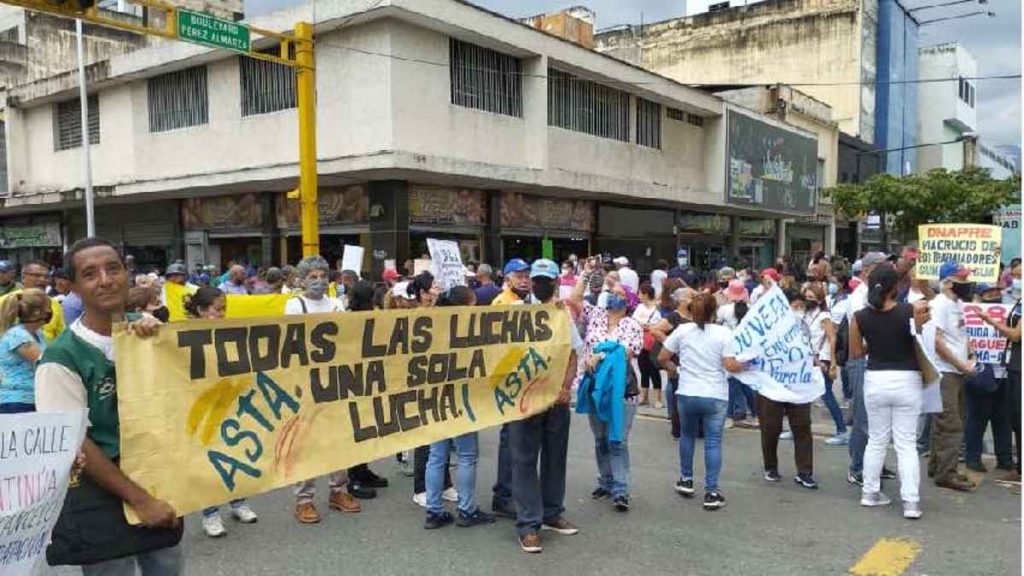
(850, 54)
(436, 118)
(947, 109)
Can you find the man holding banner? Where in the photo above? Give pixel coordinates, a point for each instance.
(77, 372)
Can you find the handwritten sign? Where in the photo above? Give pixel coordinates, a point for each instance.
(447, 263)
(975, 246)
(778, 349)
(216, 410)
(988, 343)
(36, 454)
(352, 258)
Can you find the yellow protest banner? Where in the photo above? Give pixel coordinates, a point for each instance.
(976, 246)
(239, 306)
(216, 410)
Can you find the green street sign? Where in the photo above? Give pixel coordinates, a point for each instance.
(211, 31)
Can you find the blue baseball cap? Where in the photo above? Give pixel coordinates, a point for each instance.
(954, 269)
(6, 266)
(983, 287)
(544, 268)
(515, 265)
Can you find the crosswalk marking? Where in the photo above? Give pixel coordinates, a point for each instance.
(888, 557)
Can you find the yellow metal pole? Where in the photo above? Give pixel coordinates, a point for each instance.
(306, 93)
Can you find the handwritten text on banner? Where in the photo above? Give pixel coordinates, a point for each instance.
(986, 341)
(212, 411)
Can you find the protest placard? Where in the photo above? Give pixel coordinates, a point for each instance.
(778, 349)
(1008, 218)
(421, 265)
(976, 246)
(216, 410)
(352, 258)
(447, 262)
(987, 342)
(238, 305)
(36, 454)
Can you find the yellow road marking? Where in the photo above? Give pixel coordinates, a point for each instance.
(888, 557)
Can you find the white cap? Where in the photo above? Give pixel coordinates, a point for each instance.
(621, 261)
(401, 290)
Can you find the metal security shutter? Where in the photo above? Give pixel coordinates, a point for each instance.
(149, 224)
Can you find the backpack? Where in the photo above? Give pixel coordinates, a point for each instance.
(843, 342)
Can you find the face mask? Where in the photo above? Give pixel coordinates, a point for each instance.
(615, 302)
(799, 315)
(832, 289)
(682, 262)
(162, 314)
(811, 305)
(963, 290)
(992, 300)
(316, 288)
(1015, 288)
(723, 284)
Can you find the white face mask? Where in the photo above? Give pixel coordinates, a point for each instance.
(1015, 288)
(799, 315)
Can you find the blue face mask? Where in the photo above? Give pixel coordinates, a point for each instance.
(616, 302)
(832, 289)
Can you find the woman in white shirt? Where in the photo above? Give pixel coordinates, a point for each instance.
(648, 316)
(823, 342)
(705, 352)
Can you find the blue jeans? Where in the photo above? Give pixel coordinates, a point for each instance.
(737, 400)
(212, 510)
(613, 457)
(466, 454)
(831, 403)
(711, 412)
(162, 562)
(859, 434)
(540, 497)
(847, 389)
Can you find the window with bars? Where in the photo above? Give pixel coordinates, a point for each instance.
(178, 100)
(484, 79)
(67, 123)
(648, 123)
(3, 159)
(585, 106)
(266, 86)
(675, 114)
(694, 120)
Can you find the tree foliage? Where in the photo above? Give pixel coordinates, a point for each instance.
(937, 196)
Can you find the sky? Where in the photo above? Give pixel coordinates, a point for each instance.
(994, 42)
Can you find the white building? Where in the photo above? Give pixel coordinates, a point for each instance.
(946, 110)
(435, 118)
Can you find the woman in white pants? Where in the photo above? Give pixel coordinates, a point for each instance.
(884, 332)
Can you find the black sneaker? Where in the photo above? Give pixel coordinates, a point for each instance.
(887, 474)
(621, 503)
(855, 478)
(713, 501)
(435, 521)
(600, 494)
(685, 487)
(503, 509)
(370, 480)
(806, 480)
(772, 475)
(361, 491)
(475, 519)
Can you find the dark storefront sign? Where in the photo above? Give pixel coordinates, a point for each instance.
(523, 211)
(41, 235)
(222, 212)
(442, 206)
(769, 167)
(338, 207)
(757, 227)
(703, 223)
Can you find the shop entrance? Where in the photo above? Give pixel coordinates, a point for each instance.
(531, 248)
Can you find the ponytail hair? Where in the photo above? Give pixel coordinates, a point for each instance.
(740, 310)
(28, 305)
(196, 303)
(702, 309)
(881, 283)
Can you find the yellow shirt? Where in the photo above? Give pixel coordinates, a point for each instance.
(55, 326)
(506, 298)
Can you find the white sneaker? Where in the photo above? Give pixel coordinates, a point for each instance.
(420, 499)
(450, 494)
(213, 526)
(786, 435)
(872, 499)
(912, 510)
(405, 464)
(244, 514)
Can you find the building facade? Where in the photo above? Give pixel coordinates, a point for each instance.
(435, 119)
(947, 109)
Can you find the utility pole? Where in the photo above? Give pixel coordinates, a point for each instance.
(306, 95)
(83, 99)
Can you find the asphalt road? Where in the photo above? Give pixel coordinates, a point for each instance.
(765, 529)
